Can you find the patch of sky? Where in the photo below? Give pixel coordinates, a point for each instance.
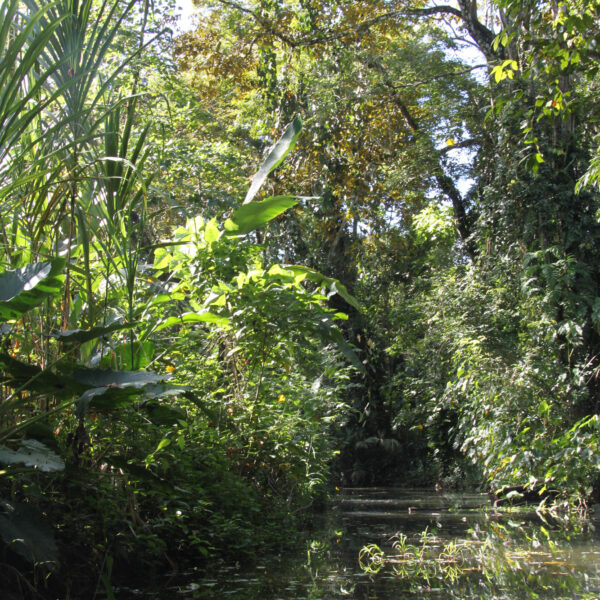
(186, 11)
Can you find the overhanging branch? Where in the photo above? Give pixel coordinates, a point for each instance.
(467, 13)
(444, 182)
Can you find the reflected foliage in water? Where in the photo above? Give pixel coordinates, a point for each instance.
(393, 544)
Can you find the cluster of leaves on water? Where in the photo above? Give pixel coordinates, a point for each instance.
(504, 557)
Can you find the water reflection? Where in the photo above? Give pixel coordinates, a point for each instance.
(420, 545)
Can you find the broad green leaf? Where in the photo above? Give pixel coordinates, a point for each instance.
(18, 374)
(166, 298)
(276, 155)
(164, 443)
(99, 388)
(241, 279)
(278, 270)
(498, 73)
(112, 396)
(120, 356)
(70, 336)
(205, 317)
(220, 301)
(107, 377)
(26, 288)
(211, 232)
(106, 398)
(32, 453)
(277, 273)
(154, 391)
(162, 259)
(340, 315)
(251, 216)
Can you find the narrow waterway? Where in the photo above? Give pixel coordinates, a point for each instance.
(396, 544)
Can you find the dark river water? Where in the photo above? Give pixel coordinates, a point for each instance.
(396, 544)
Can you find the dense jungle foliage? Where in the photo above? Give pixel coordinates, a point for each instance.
(303, 244)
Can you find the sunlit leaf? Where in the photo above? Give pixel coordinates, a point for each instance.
(275, 157)
(251, 216)
(205, 317)
(164, 443)
(211, 232)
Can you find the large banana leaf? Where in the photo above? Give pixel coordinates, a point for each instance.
(96, 388)
(114, 389)
(106, 398)
(276, 155)
(111, 397)
(26, 288)
(79, 336)
(32, 453)
(23, 376)
(108, 377)
(127, 355)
